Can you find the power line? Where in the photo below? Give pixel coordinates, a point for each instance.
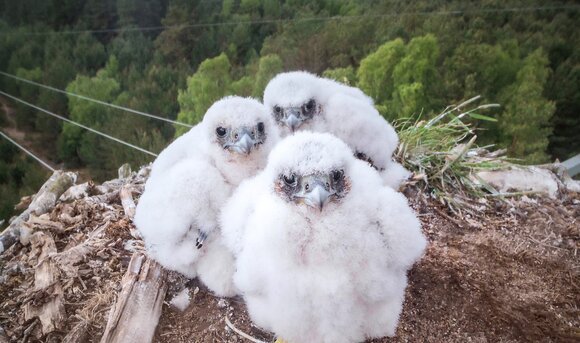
(80, 125)
(26, 151)
(280, 20)
(94, 100)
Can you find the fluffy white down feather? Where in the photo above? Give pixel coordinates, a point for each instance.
(345, 112)
(337, 275)
(189, 183)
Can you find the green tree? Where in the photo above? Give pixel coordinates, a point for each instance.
(142, 13)
(57, 75)
(346, 75)
(416, 78)
(26, 115)
(402, 79)
(132, 50)
(375, 74)
(210, 82)
(243, 86)
(88, 54)
(481, 69)
(19, 176)
(268, 67)
(525, 123)
(77, 144)
(564, 89)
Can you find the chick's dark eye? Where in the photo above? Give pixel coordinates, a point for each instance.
(260, 127)
(220, 131)
(290, 180)
(277, 109)
(337, 175)
(310, 105)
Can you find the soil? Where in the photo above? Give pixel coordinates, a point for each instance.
(511, 277)
(509, 274)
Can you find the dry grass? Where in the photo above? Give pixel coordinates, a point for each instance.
(442, 152)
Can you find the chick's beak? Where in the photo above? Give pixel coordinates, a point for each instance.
(292, 120)
(244, 144)
(317, 197)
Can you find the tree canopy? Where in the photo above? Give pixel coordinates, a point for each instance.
(174, 58)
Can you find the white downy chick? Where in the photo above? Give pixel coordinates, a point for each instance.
(177, 214)
(302, 101)
(322, 246)
(238, 117)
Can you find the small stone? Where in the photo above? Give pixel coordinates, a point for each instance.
(222, 303)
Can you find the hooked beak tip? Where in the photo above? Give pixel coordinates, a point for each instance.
(317, 198)
(292, 122)
(244, 145)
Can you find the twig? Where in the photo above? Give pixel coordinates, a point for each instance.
(29, 330)
(241, 333)
(511, 194)
(447, 110)
(448, 217)
(461, 153)
(127, 201)
(544, 244)
(41, 203)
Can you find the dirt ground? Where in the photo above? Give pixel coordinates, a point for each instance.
(511, 274)
(512, 278)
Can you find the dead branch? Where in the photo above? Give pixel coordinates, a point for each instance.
(46, 280)
(240, 332)
(135, 315)
(78, 334)
(127, 201)
(41, 203)
(77, 192)
(24, 203)
(68, 259)
(124, 171)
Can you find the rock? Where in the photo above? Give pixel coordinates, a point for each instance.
(522, 179)
(181, 300)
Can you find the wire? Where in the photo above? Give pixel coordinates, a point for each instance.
(94, 100)
(26, 151)
(275, 21)
(80, 125)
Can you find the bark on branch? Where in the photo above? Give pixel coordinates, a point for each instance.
(135, 315)
(47, 295)
(41, 203)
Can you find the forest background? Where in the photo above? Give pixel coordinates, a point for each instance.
(173, 58)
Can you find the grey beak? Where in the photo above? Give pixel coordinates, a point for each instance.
(292, 120)
(317, 197)
(244, 144)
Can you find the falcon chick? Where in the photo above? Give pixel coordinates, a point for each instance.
(190, 181)
(322, 247)
(302, 101)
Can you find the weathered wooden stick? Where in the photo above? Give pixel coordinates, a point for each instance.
(46, 281)
(78, 334)
(41, 203)
(134, 316)
(240, 332)
(124, 171)
(127, 201)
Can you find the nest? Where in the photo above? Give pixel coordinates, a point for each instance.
(78, 273)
